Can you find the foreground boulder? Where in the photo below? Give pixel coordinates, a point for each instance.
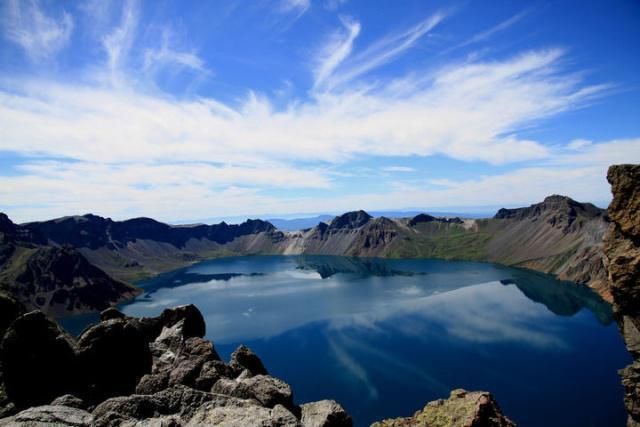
(50, 415)
(462, 409)
(325, 413)
(622, 259)
(38, 361)
(10, 309)
(113, 355)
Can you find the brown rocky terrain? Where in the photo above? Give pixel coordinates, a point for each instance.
(461, 409)
(622, 259)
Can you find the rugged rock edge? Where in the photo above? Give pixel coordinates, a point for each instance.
(140, 372)
(622, 260)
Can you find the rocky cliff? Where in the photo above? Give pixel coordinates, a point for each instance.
(57, 280)
(558, 236)
(160, 371)
(622, 259)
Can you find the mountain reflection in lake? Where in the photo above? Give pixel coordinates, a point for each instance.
(383, 337)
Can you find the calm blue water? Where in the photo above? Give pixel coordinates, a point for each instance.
(383, 337)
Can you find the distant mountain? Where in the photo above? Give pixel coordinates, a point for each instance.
(297, 224)
(143, 247)
(558, 236)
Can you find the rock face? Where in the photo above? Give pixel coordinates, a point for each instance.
(142, 372)
(462, 409)
(622, 259)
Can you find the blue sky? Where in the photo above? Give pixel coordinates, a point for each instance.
(182, 110)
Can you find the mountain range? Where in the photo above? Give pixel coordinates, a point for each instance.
(86, 263)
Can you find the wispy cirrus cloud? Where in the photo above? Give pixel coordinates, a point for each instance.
(338, 69)
(335, 50)
(297, 7)
(167, 55)
(486, 34)
(119, 41)
(41, 36)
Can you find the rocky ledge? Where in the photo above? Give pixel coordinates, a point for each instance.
(141, 372)
(462, 409)
(622, 259)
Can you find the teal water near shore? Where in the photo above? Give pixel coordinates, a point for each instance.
(383, 337)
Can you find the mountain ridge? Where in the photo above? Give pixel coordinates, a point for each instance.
(559, 236)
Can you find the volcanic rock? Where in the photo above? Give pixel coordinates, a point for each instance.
(38, 361)
(114, 355)
(325, 413)
(622, 259)
(462, 409)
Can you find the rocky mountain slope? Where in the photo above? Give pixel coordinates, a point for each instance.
(143, 247)
(558, 236)
(55, 279)
(622, 258)
(159, 371)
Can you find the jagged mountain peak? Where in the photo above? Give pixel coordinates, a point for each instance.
(553, 205)
(350, 220)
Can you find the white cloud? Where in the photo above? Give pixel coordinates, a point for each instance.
(379, 52)
(334, 4)
(141, 153)
(335, 50)
(118, 43)
(41, 36)
(299, 7)
(167, 55)
(484, 35)
(398, 169)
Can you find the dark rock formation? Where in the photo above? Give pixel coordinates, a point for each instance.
(462, 409)
(113, 355)
(350, 220)
(181, 380)
(243, 358)
(426, 218)
(38, 361)
(564, 211)
(10, 309)
(93, 232)
(622, 258)
(126, 372)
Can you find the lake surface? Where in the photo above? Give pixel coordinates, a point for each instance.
(383, 337)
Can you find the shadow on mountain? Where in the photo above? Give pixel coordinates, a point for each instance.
(561, 298)
(328, 266)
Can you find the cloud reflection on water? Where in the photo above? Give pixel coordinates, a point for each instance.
(356, 293)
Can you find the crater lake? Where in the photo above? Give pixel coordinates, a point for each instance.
(383, 337)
